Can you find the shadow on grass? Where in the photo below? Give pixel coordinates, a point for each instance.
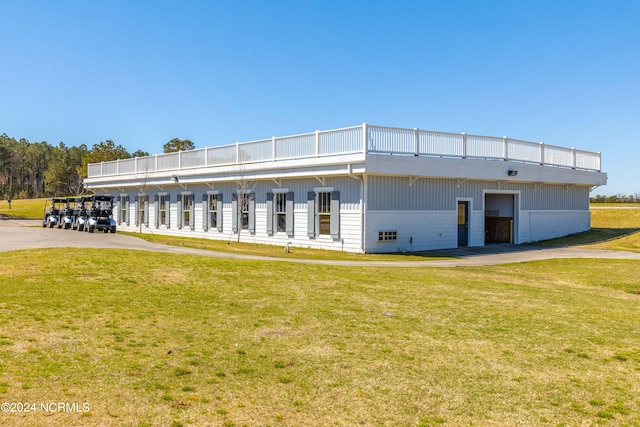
(595, 235)
(261, 249)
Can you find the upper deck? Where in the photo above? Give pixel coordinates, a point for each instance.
(352, 145)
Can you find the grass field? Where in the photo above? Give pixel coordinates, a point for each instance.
(613, 228)
(23, 208)
(152, 339)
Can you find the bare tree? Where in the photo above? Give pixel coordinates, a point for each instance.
(245, 197)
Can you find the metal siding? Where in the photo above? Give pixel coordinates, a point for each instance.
(555, 198)
(395, 193)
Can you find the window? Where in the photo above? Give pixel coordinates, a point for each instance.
(385, 236)
(281, 212)
(213, 211)
(124, 202)
(186, 210)
(142, 211)
(324, 212)
(244, 211)
(162, 212)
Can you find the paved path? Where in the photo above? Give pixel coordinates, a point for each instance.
(16, 234)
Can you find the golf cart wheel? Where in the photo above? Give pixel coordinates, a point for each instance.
(113, 229)
(80, 227)
(51, 225)
(91, 228)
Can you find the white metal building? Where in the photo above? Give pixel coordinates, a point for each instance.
(359, 189)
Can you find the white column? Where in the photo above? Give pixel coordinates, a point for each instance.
(365, 139)
(273, 148)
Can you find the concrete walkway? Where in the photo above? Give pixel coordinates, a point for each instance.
(17, 234)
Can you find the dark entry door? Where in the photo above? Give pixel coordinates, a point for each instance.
(463, 224)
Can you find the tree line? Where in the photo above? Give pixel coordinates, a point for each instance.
(39, 169)
(618, 198)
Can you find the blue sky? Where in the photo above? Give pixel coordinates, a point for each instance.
(144, 72)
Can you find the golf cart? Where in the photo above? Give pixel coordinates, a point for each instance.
(52, 212)
(80, 214)
(101, 215)
(66, 214)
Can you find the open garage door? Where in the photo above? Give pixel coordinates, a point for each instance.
(500, 215)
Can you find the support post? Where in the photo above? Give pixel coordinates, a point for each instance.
(273, 148)
(365, 138)
(464, 145)
(505, 151)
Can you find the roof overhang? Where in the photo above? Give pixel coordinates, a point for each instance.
(356, 165)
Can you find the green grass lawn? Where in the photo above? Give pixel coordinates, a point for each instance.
(247, 248)
(149, 339)
(23, 208)
(612, 229)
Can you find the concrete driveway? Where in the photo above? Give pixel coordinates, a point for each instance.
(18, 234)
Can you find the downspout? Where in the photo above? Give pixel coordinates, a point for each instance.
(363, 213)
(363, 205)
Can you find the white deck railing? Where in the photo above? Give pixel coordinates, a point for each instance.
(353, 140)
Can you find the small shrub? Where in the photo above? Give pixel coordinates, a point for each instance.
(181, 371)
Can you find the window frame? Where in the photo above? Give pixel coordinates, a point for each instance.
(123, 209)
(163, 210)
(280, 212)
(323, 212)
(186, 208)
(244, 209)
(387, 236)
(141, 202)
(212, 210)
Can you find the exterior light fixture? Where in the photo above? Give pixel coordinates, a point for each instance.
(512, 173)
(176, 180)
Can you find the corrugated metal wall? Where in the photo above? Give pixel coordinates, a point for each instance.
(395, 193)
